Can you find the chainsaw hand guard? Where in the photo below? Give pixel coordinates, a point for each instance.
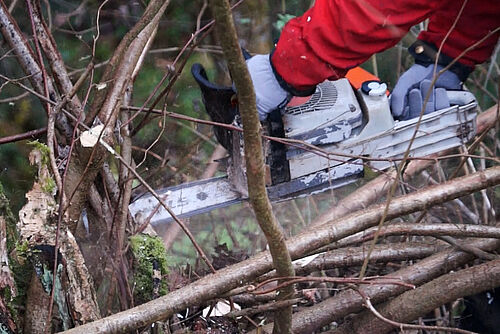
(220, 103)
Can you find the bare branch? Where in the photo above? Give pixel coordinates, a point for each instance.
(254, 159)
(82, 172)
(233, 276)
(354, 256)
(61, 76)
(424, 299)
(456, 230)
(22, 136)
(410, 326)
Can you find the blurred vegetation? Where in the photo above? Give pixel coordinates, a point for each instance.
(182, 149)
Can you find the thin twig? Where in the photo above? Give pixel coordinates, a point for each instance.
(300, 144)
(480, 254)
(263, 308)
(15, 98)
(194, 40)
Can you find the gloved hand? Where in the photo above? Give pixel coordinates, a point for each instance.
(268, 92)
(408, 96)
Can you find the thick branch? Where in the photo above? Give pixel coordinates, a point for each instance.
(254, 157)
(349, 301)
(25, 55)
(26, 58)
(153, 12)
(455, 230)
(85, 165)
(61, 76)
(236, 275)
(414, 303)
(354, 256)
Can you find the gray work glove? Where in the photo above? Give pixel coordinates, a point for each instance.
(408, 96)
(268, 92)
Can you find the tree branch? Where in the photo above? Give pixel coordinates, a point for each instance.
(26, 58)
(85, 166)
(414, 303)
(22, 136)
(455, 230)
(236, 275)
(254, 159)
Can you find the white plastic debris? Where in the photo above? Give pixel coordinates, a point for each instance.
(90, 137)
(220, 309)
(306, 260)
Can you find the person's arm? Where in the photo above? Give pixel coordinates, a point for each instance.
(454, 33)
(334, 36)
(478, 18)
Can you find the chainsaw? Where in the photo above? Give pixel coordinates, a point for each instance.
(327, 139)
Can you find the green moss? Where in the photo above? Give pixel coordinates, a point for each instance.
(43, 149)
(46, 181)
(145, 249)
(48, 185)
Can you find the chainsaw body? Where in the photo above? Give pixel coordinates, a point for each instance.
(332, 134)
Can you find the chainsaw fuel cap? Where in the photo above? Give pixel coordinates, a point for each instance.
(373, 88)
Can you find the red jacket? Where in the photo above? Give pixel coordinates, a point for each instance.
(336, 35)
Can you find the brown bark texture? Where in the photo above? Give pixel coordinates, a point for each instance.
(236, 275)
(418, 302)
(254, 157)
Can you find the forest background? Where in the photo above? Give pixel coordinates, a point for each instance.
(169, 151)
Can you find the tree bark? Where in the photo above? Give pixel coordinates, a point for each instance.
(254, 158)
(6, 278)
(418, 302)
(354, 256)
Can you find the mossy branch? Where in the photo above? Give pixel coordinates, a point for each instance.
(254, 156)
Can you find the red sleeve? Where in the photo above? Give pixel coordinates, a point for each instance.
(477, 20)
(336, 35)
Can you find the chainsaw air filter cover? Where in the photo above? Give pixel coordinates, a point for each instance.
(328, 116)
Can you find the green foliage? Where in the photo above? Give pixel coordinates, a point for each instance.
(46, 181)
(24, 251)
(282, 20)
(18, 253)
(48, 185)
(145, 249)
(240, 233)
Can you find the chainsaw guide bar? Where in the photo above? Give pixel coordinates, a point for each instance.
(352, 127)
